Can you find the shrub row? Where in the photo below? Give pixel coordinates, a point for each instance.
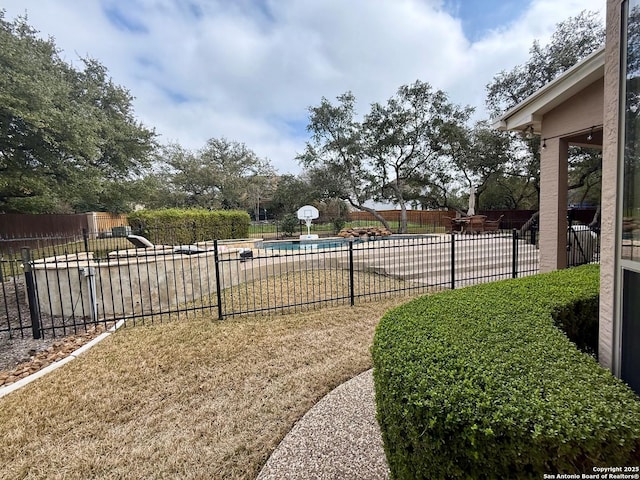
(480, 383)
(175, 226)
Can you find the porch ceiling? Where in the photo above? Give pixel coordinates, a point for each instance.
(583, 140)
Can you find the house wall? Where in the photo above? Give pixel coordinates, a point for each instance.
(610, 150)
(553, 205)
(581, 112)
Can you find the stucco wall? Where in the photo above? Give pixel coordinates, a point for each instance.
(580, 112)
(553, 205)
(127, 286)
(577, 114)
(610, 150)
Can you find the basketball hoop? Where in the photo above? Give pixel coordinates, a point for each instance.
(308, 213)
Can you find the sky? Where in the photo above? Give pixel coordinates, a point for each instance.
(248, 70)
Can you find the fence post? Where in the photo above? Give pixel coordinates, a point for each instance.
(514, 254)
(32, 296)
(85, 237)
(351, 276)
(453, 260)
(216, 261)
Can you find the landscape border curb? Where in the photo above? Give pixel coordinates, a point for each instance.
(6, 390)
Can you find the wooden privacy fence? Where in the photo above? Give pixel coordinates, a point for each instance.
(102, 222)
(29, 229)
(440, 218)
(26, 225)
(508, 218)
(22, 225)
(421, 217)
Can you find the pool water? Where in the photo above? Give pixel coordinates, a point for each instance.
(296, 245)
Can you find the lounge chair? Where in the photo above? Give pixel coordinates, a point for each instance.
(139, 241)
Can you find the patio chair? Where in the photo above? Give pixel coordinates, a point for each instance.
(452, 225)
(492, 225)
(476, 224)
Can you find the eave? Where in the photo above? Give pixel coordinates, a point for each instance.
(530, 111)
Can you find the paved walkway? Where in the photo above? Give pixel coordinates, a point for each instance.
(338, 438)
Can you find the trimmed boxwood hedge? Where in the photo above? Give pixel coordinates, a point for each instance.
(480, 383)
(185, 226)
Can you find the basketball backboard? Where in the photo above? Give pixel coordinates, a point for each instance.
(308, 212)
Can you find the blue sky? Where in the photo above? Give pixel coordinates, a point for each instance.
(478, 18)
(248, 70)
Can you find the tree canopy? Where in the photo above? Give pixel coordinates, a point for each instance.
(66, 134)
(222, 174)
(392, 151)
(69, 141)
(573, 40)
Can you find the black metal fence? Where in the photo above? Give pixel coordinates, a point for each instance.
(64, 288)
(277, 229)
(61, 289)
(583, 245)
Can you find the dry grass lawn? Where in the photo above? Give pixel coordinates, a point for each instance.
(194, 398)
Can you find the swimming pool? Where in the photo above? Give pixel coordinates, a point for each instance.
(319, 244)
(294, 245)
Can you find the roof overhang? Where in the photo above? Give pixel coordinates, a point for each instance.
(530, 111)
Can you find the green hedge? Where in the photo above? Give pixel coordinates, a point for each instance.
(176, 227)
(479, 383)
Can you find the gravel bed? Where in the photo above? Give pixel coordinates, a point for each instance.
(20, 353)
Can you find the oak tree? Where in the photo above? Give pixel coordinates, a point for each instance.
(66, 134)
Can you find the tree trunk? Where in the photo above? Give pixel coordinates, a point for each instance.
(372, 211)
(402, 224)
(402, 228)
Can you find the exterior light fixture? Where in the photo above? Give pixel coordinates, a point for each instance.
(528, 132)
(544, 143)
(590, 136)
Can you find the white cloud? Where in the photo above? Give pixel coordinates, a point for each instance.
(248, 70)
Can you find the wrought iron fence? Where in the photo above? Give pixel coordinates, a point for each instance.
(60, 289)
(583, 245)
(278, 229)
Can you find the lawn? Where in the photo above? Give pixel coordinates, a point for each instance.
(193, 398)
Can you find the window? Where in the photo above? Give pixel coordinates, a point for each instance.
(629, 192)
(631, 168)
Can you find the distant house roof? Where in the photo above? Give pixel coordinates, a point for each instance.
(529, 112)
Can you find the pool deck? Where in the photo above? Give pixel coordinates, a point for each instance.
(426, 261)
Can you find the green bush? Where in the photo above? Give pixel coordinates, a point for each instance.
(479, 383)
(289, 224)
(175, 226)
